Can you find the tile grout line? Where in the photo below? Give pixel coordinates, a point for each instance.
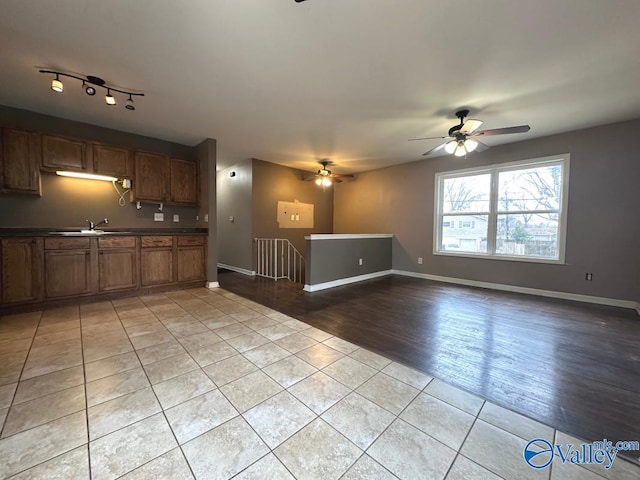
(24, 364)
(164, 415)
(86, 399)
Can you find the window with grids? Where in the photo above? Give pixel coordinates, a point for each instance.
(513, 211)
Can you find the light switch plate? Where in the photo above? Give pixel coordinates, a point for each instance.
(158, 217)
(206, 217)
(176, 218)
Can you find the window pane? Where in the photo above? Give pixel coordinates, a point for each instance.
(538, 188)
(528, 235)
(464, 233)
(466, 194)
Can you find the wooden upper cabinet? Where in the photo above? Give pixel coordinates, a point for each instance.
(184, 181)
(113, 161)
(63, 153)
(162, 179)
(151, 181)
(19, 162)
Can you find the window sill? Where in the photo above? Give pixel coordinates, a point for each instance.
(481, 256)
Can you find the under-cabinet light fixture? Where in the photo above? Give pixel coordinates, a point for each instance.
(89, 84)
(86, 176)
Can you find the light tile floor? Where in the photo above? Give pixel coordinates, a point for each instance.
(205, 384)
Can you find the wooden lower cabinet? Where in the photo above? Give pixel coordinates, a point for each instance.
(42, 269)
(156, 266)
(21, 270)
(117, 263)
(67, 273)
(192, 258)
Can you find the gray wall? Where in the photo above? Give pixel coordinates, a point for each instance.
(603, 230)
(272, 183)
(235, 239)
(67, 203)
(335, 259)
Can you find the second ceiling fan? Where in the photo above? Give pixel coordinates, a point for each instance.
(464, 136)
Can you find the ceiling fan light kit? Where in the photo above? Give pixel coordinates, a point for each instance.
(462, 136)
(324, 177)
(89, 85)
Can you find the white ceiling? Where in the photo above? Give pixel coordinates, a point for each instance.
(349, 80)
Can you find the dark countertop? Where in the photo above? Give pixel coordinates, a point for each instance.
(13, 232)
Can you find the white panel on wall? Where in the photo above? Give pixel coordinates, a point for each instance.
(295, 215)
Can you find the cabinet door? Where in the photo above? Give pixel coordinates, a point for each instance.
(116, 270)
(152, 177)
(67, 273)
(63, 153)
(191, 264)
(21, 270)
(156, 266)
(19, 162)
(112, 161)
(184, 181)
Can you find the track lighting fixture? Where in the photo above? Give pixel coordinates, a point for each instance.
(90, 84)
(88, 89)
(109, 98)
(130, 105)
(56, 85)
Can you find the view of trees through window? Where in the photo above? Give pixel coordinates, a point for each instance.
(507, 211)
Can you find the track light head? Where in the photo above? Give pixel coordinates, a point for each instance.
(88, 89)
(56, 85)
(130, 105)
(109, 98)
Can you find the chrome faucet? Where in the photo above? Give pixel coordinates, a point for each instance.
(92, 226)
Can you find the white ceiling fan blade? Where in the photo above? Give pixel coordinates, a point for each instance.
(434, 149)
(470, 126)
(481, 146)
(426, 138)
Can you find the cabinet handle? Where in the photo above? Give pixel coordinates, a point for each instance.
(86, 253)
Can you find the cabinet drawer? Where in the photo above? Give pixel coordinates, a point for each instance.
(66, 243)
(190, 240)
(117, 242)
(156, 241)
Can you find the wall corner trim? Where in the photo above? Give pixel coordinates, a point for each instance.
(213, 285)
(614, 302)
(244, 271)
(346, 281)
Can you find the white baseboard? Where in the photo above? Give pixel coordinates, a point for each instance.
(213, 285)
(345, 281)
(530, 291)
(244, 271)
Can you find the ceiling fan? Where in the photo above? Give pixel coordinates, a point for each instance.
(324, 177)
(464, 136)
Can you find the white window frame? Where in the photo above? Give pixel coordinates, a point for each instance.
(492, 226)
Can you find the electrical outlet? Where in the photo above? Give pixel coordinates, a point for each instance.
(206, 217)
(589, 277)
(419, 260)
(360, 261)
(158, 217)
(176, 218)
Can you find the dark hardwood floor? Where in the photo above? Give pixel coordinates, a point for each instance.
(570, 365)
